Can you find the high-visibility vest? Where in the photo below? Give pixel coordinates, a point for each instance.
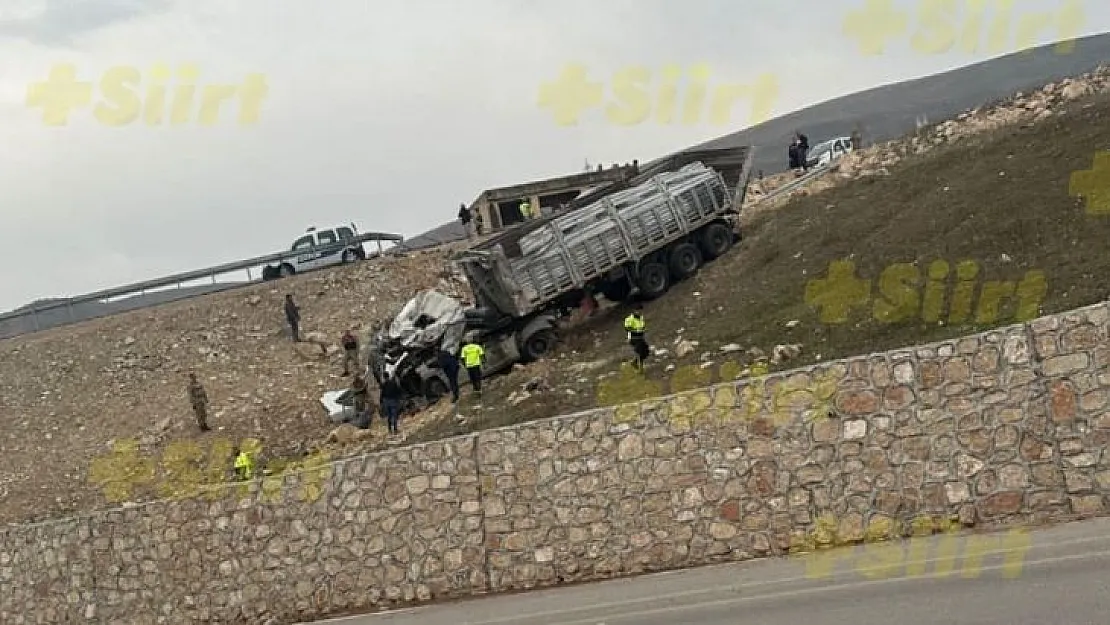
(243, 461)
(634, 325)
(526, 209)
(472, 355)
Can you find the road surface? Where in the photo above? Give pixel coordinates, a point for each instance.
(1063, 580)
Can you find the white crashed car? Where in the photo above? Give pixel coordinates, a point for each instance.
(338, 405)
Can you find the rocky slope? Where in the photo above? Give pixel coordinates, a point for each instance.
(67, 393)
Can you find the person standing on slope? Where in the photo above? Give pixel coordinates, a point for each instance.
(636, 327)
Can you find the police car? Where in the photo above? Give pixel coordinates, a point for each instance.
(312, 259)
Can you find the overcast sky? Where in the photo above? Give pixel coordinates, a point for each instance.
(385, 113)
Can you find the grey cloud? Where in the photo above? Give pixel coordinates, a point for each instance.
(61, 21)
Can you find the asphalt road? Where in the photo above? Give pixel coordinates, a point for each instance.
(1063, 580)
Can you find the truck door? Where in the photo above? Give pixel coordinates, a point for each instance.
(323, 259)
(303, 261)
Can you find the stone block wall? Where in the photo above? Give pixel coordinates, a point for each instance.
(1003, 427)
(400, 526)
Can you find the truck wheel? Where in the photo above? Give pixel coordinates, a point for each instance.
(269, 273)
(715, 240)
(616, 291)
(685, 260)
(537, 344)
(286, 270)
(349, 256)
(654, 280)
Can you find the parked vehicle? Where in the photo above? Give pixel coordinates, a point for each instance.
(634, 238)
(313, 258)
(828, 151)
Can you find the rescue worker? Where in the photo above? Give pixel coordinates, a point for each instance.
(635, 325)
(449, 364)
(526, 209)
(390, 398)
(464, 219)
(360, 395)
(293, 317)
(244, 464)
(759, 367)
(199, 399)
(472, 357)
(350, 352)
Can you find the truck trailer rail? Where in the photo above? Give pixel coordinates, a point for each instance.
(637, 239)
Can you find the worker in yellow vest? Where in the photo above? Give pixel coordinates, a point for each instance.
(244, 465)
(472, 356)
(526, 210)
(636, 327)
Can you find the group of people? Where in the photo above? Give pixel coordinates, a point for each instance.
(392, 393)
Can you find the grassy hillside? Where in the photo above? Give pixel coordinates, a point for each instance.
(1000, 200)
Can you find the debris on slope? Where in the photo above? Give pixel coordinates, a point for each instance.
(68, 391)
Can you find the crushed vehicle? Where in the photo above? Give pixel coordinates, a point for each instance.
(633, 238)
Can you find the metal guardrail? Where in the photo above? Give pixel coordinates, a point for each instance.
(795, 184)
(10, 322)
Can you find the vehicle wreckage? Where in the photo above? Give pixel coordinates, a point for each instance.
(634, 238)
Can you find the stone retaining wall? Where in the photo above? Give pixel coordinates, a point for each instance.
(1007, 426)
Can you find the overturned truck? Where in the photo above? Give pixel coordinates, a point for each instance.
(630, 239)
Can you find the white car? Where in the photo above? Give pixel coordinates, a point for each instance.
(314, 238)
(828, 151)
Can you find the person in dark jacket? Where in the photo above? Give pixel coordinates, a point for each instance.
(793, 153)
(350, 352)
(293, 316)
(449, 364)
(391, 394)
(464, 219)
(803, 151)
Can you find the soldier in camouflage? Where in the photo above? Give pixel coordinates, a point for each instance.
(199, 399)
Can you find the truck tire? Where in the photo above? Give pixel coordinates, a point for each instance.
(715, 240)
(685, 259)
(654, 280)
(349, 256)
(286, 270)
(537, 344)
(269, 273)
(617, 291)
